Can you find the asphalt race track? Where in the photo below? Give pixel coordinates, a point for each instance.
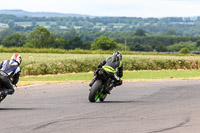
(134, 107)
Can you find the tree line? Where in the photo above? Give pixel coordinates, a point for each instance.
(41, 38)
(139, 40)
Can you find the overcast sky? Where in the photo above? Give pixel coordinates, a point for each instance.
(128, 8)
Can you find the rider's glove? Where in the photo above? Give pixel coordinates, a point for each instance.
(99, 66)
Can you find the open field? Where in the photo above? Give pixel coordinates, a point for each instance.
(3, 26)
(43, 63)
(44, 23)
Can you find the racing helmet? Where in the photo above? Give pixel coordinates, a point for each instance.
(118, 55)
(17, 58)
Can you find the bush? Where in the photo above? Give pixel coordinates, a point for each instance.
(104, 43)
(184, 51)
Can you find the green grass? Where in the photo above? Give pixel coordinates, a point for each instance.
(59, 77)
(134, 75)
(163, 74)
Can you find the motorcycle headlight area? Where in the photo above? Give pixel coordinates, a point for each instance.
(101, 71)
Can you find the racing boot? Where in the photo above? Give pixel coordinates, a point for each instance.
(117, 83)
(4, 93)
(7, 92)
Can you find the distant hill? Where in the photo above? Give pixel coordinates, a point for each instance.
(21, 13)
(181, 26)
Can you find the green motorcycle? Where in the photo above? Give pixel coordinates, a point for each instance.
(101, 87)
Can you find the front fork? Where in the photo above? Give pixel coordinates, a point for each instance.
(102, 91)
(93, 80)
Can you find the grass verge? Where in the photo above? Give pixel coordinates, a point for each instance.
(128, 76)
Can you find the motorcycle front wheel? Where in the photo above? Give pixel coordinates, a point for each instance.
(94, 92)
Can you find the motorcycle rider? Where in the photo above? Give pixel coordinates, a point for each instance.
(9, 73)
(114, 67)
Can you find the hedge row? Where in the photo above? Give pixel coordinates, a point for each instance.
(77, 51)
(48, 63)
(87, 65)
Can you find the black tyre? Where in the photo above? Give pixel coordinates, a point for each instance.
(94, 92)
(102, 98)
(2, 97)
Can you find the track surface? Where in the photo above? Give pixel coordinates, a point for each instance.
(135, 107)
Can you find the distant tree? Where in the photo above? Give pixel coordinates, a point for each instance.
(72, 32)
(15, 40)
(87, 45)
(6, 32)
(147, 48)
(11, 23)
(184, 51)
(29, 28)
(175, 47)
(125, 28)
(171, 32)
(189, 44)
(60, 43)
(18, 28)
(75, 42)
(47, 23)
(41, 38)
(54, 28)
(135, 47)
(140, 32)
(52, 39)
(122, 47)
(33, 23)
(198, 43)
(158, 46)
(61, 22)
(104, 43)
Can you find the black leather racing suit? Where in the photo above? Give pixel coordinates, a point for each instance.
(9, 75)
(114, 67)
